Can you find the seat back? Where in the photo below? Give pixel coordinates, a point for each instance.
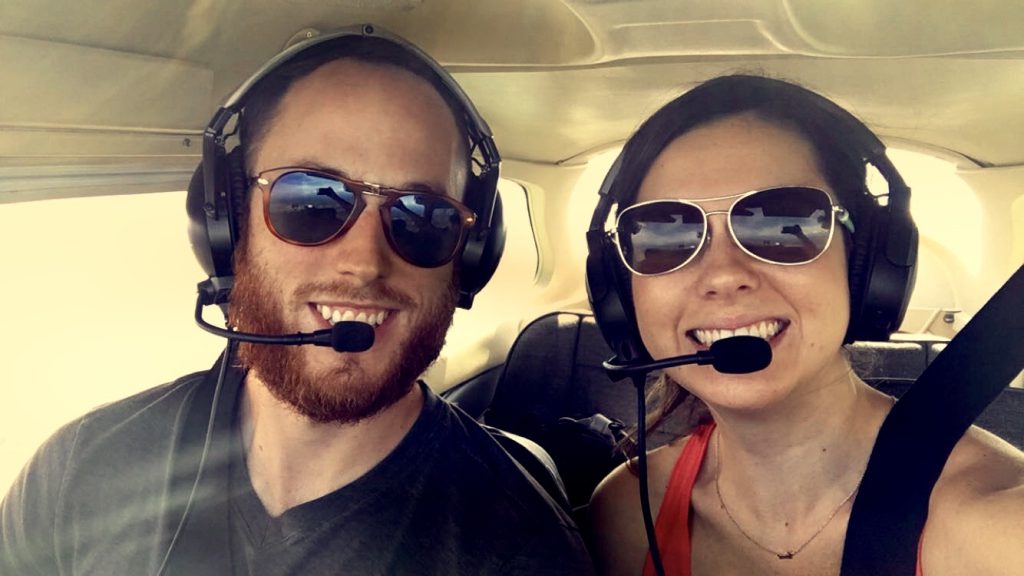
(554, 370)
(550, 390)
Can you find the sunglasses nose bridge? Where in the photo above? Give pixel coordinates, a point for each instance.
(724, 222)
(381, 202)
(720, 228)
(374, 197)
(368, 190)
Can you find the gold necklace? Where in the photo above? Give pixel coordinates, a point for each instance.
(788, 554)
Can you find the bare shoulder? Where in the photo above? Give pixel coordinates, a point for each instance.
(619, 540)
(976, 513)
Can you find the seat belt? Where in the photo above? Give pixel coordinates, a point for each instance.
(923, 427)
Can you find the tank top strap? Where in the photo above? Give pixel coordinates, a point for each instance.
(672, 526)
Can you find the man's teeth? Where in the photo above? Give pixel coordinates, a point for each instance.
(765, 329)
(335, 315)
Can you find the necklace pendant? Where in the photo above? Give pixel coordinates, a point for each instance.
(786, 556)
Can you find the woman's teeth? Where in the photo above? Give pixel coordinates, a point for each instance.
(335, 315)
(766, 329)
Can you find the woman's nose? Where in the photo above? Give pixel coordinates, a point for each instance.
(724, 269)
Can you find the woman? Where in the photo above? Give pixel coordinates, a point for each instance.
(765, 481)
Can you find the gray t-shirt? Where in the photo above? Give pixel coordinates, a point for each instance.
(108, 492)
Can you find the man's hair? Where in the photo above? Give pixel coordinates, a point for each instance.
(263, 100)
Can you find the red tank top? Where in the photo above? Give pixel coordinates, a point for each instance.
(673, 523)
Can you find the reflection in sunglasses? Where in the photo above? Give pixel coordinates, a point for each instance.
(789, 225)
(309, 208)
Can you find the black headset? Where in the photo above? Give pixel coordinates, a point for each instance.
(220, 183)
(882, 259)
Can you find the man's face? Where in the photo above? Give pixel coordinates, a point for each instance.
(372, 123)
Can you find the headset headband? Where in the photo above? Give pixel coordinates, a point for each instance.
(480, 131)
(223, 181)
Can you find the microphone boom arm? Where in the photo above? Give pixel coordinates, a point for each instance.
(346, 336)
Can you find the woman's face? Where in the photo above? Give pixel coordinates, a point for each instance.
(804, 308)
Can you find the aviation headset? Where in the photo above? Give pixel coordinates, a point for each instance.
(882, 258)
(220, 183)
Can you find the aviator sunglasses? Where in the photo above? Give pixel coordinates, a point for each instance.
(308, 207)
(787, 225)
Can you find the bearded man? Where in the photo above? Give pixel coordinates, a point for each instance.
(354, 201)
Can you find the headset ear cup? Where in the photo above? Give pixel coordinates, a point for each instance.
(609, 294)
(238, 188)
(198, 234)
(608, 280)
(221, 219)
(882, 268)
(859, 271)
(483, 250)
(888, 279)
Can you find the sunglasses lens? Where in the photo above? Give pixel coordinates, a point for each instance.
(307, 208)
(659, 236)
(784, 225)
(425, 229)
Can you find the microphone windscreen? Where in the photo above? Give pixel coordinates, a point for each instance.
(351, 336)
(741, 354)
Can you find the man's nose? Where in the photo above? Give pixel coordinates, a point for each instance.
(362, 253)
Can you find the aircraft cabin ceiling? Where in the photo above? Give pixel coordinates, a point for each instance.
(133, 83)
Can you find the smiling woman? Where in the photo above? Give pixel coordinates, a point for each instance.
(767, 471)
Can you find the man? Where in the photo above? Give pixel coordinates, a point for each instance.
(354, 163)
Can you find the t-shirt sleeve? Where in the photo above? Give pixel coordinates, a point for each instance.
(28, 513)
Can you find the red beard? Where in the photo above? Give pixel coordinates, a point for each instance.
(343, 393)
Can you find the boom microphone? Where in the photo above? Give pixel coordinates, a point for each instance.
(735, 355)
(346, 336)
